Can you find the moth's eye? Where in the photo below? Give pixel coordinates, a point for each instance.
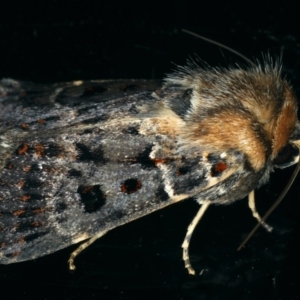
(286, 156)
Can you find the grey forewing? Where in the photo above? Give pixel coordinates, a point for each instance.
(63, 176)
(73, 163)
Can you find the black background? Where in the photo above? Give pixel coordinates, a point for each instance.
(67, 40)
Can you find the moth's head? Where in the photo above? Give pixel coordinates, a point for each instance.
(290, 153)
(276, 114)
(253, 111)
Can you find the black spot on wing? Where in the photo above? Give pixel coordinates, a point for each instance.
(30, 183)
(34, 236)
(189, 176)
(34, 168)
(130, 186)
(24, 226)
(61, 207)
(91, 197)
(52, 150)
(144, 158)
(188, 166)
(213, 158)
(183, 170)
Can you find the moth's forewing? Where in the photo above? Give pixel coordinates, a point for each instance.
(72, 163)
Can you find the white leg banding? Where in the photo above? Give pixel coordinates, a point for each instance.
(187, 239)
(251, 203)
(82, 247)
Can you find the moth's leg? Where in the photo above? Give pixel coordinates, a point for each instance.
(251, 203)
(187, 239)
(84, 246)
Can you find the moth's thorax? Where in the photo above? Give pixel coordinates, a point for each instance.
(252, 111)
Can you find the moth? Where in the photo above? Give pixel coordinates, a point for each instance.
(81, 158)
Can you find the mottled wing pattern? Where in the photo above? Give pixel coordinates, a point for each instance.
(84, 157)
(69, 164)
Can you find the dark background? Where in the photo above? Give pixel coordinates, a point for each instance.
(67, 40)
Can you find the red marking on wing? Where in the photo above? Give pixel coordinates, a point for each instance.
(23, 149)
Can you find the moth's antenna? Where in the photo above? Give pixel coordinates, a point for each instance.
(276, 203)
(220, 45)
